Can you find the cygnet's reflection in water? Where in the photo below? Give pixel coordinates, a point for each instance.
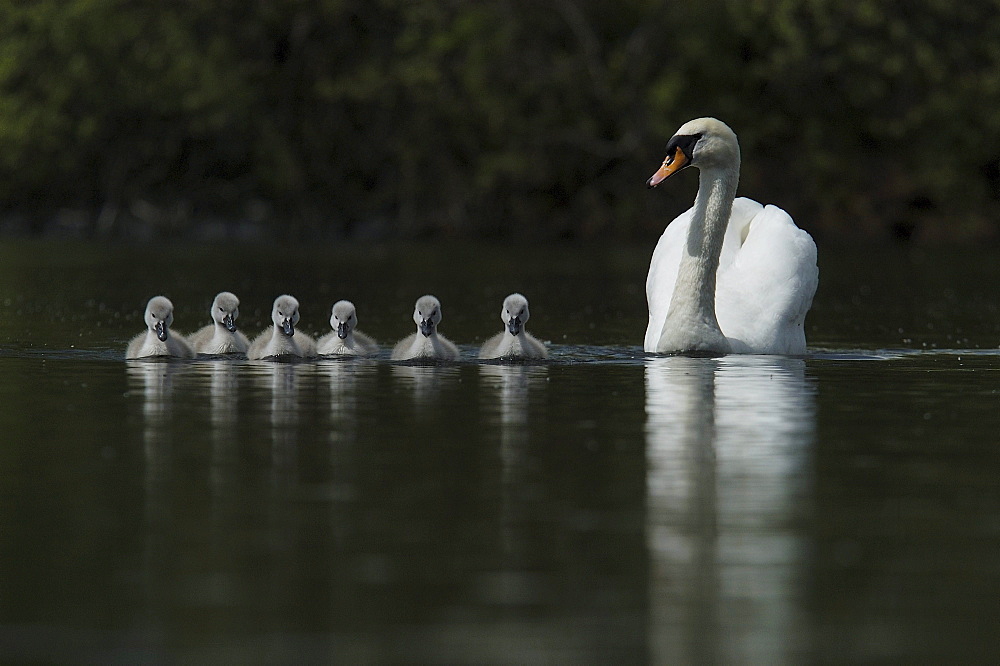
(220, 377)
(424, 381)
(155, 380)
(507, 392)
(282, 382)
(345, 377)
(728, 441)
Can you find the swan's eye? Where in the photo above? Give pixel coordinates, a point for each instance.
(684, 143)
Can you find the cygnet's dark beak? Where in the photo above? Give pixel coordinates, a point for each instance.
(342, 330)
(161, 331)
(287, 327)
(426, 327)
(514, 325)
(228, 322)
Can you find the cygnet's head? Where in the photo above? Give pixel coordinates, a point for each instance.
(225, 310)
(515, 313)
(159, 315)
(344, 318)
(285, 314)
(427, 315)
(706, 143)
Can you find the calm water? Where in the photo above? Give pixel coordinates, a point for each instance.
(603, 507)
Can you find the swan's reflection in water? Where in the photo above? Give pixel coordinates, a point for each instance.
(728, 442)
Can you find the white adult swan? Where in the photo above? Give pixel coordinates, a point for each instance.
(426, 343)
(282, 340)
(345, 339)
(726, 276)
(157, 339)
(513, 342)
(221, 336)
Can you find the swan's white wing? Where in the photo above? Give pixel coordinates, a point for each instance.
(666, 261)
(766, 284)
(766, 281)
(663, 275)
(745, 211)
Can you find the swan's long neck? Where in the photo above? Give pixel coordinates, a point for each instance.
(691, 315)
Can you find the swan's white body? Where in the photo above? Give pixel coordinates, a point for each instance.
(514, 342)
(221, 336)
(344, 340)
(426, 343)
(282, 340)
(158, 340)
(727, 276)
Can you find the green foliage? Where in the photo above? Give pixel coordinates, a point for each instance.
(498, 117)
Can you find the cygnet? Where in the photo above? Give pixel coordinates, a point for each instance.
(426, 343)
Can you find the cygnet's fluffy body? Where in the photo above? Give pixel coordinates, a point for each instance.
(514, 342)
(157, 340)
(221, 336)
(345, 339)
(282, 340)
(426, 343)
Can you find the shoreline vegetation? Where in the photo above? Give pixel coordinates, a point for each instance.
(501, 119)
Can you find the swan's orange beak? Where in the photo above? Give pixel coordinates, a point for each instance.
(670, 166)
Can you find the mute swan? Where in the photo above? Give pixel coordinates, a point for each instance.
(282, 339)
(426, 342)
(726, 276)
(221, 336)
(513, 342)
(344, 339)
(157, 340)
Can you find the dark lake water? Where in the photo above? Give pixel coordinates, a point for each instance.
(605, 506)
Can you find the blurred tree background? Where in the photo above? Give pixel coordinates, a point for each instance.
(491, 118)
